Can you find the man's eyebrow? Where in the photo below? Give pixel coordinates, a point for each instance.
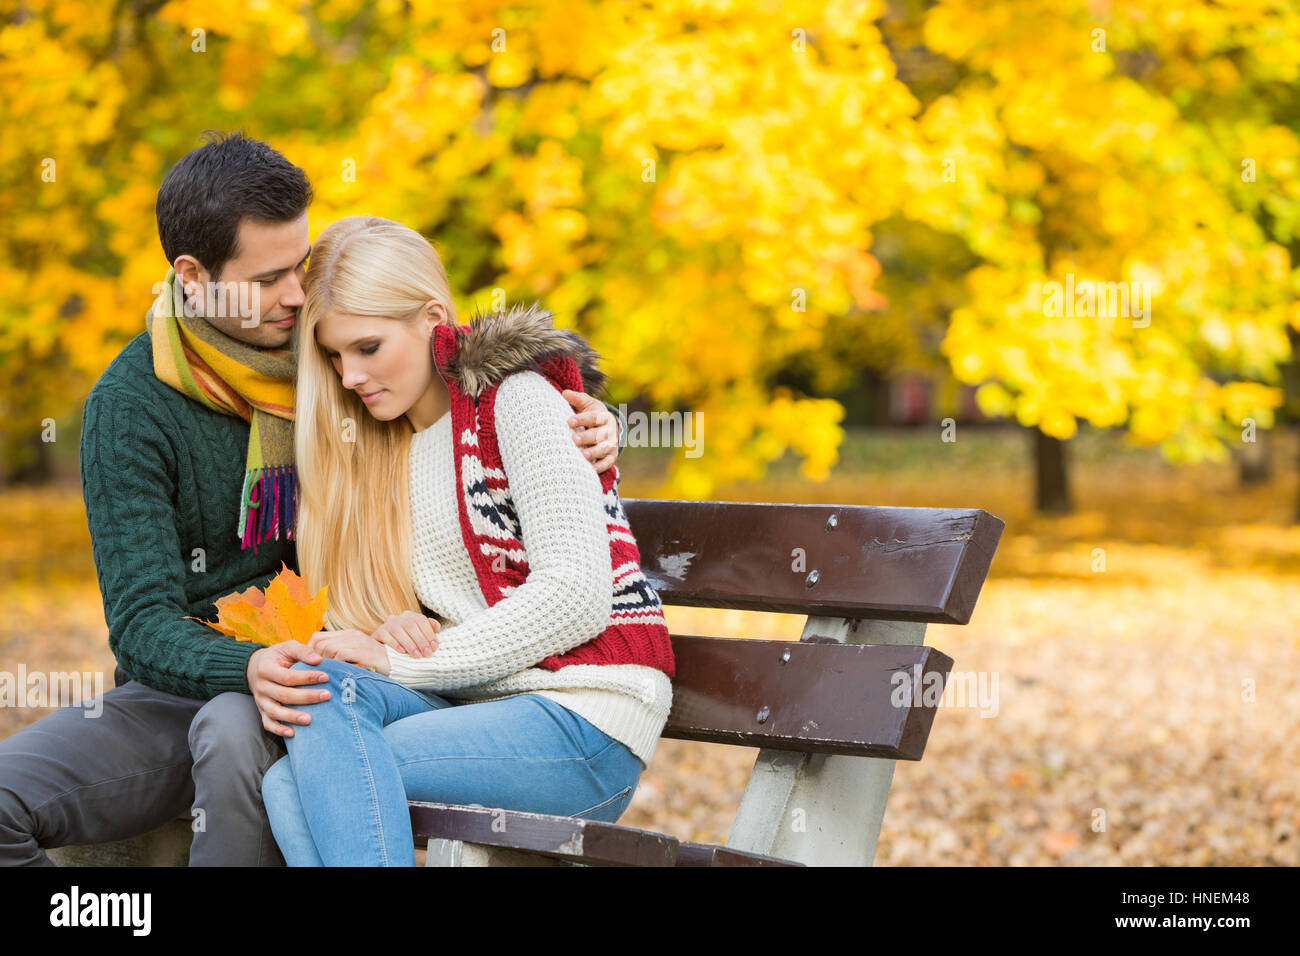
(276, 272)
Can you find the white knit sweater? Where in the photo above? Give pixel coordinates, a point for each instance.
(488, 653)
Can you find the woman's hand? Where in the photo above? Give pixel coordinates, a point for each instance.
(352, 646)
(409, 632)
(595, 430)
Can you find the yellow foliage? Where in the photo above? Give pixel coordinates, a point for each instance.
(698, 186)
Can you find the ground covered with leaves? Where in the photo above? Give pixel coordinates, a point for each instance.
(1147, 713)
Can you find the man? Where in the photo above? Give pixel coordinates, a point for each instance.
(188, 479)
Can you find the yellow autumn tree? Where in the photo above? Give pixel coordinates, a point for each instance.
(697, 186)
(1098, 149)
(690, 184)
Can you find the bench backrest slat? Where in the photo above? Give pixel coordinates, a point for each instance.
(807, 697)
(847, 561)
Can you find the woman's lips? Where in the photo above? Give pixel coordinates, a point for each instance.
(372, 396)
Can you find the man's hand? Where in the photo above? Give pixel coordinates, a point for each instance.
(595, 430)
(353, 646)
(409, 632)
(275, 685)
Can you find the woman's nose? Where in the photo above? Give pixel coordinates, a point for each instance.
(352, 377)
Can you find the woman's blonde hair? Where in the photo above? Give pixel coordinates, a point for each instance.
(354, 524)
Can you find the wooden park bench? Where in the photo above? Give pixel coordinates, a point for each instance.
(824, 711)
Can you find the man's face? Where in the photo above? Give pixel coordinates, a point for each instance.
(272, 259)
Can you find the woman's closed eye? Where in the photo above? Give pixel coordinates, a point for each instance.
(369, 350)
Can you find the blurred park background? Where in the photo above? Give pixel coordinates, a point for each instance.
(832, 230)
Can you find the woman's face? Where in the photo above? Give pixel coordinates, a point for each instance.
(388, 363)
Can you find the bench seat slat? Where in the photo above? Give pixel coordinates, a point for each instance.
(570, 838)
(805, 696)
(708, 854)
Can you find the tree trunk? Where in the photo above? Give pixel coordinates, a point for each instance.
(1255, 460)
(1297, 503)
(875, 397)
(29, 461)
(1290, 378)
(1052, 482)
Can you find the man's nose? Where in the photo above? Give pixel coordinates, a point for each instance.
(293, 296)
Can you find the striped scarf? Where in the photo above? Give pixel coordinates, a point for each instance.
(234, 378)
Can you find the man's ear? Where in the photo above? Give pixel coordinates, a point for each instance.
(189, 272)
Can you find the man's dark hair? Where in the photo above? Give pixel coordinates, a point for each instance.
(206, 194)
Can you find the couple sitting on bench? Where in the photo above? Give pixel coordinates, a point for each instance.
(491, 637)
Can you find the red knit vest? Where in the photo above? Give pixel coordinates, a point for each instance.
(637, 632)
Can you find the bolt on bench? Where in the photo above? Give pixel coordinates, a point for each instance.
(825, 711)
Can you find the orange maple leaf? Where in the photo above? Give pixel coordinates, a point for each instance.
(286, 611)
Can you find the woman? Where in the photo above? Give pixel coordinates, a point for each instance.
(437, 472)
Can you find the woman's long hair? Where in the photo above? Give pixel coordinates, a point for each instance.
(354, 522)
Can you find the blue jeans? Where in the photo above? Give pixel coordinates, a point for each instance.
(339, 797)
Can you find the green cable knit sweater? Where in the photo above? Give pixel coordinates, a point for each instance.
(162, 476)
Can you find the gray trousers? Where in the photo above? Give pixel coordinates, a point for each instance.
(149, 757)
